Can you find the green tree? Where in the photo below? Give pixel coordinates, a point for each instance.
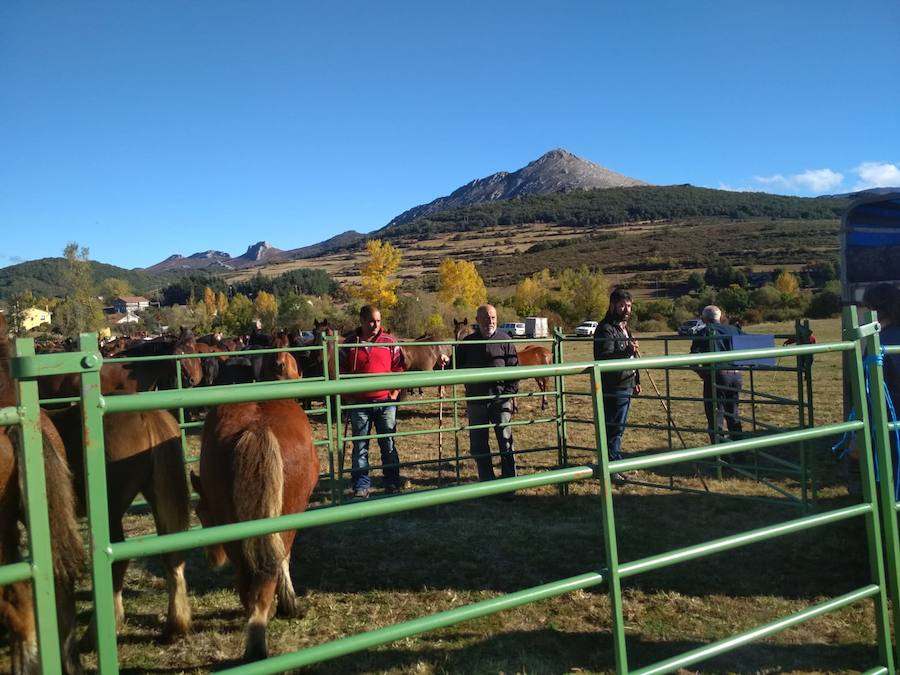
(295, 311)
(239, 315)
(584, 294)
(113, 287)
(81, 311)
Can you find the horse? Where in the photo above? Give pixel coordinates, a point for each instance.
(143, 455)
(257, 460)
(535, 355)
(136, 376)
(16, 601)
(432, 357)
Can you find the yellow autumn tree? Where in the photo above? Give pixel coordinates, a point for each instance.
(265, 307)
(377, 288)
(460, 284)
(209, 302)
(532, 293)
(787, 284)
(221, 303)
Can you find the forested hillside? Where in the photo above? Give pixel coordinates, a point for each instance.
(46, 277)
(621, 205)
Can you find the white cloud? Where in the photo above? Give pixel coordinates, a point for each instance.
(876, 174)
(811, 180)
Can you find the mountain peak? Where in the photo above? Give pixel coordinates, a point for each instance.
(555, 171)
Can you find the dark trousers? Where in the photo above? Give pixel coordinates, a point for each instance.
(727, 388)
(497, 413)
(616, 403)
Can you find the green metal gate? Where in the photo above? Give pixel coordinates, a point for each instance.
(609, 570)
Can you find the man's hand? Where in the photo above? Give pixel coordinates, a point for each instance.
(637, 390)
(393, 394)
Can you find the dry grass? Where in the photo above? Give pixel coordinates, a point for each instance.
(362, 575)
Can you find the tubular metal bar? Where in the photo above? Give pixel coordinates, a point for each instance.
(707, 451)
(380, 636)
(154, 545)
(655, 562)
(33, 482)
(9, 416)
(12, 572)
(217, 395)
(741, 639)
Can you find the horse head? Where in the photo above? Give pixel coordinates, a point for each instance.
(191, 369)
(460, 328)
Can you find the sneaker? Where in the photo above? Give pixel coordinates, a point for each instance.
(618, 479)
(361, 493)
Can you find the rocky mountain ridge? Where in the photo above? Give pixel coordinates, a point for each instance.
(556, 171)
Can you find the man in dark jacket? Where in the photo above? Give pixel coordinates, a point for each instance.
(721, 382)
(495, 408)
(613, 340)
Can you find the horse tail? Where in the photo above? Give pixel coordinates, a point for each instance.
(68, 551)
(172, 498)
(258, 493)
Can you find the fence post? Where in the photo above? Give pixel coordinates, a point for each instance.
(886, 485)
(30, 459)
(609, 526)
(97, 505)
(870, 495)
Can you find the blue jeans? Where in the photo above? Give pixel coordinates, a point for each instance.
(616, 403)
(497, 413)
(384, 418)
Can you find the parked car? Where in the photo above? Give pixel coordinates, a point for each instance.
(513, 328)
(586, 328)
(691, 327)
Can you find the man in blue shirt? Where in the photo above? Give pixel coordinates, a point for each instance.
(721, 381)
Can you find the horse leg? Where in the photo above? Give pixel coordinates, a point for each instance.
(258, 596)
(168, 496)
(178, 616)
(17, 612)
(542, 385)
(288, 606)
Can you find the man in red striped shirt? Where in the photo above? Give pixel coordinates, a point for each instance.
(376, 354)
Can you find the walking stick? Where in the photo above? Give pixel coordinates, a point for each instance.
(441, 431)
(697, 471)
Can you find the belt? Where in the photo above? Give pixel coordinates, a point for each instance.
(729, 372)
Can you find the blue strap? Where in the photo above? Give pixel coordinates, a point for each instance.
(842, 447)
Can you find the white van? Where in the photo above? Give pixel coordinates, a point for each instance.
(513, 328)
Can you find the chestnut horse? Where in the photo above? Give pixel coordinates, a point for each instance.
(257, 460)
(143, 454)
(431, 357)
(535, 355)
(16, 601)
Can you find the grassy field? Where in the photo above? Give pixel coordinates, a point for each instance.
(367, 574)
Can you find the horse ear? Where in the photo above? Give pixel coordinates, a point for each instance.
(465, 322)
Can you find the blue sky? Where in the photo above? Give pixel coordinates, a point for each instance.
(142, 129)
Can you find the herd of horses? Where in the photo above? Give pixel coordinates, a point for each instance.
(266, 444)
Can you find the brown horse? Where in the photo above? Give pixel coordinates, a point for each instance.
(136, 376)
(257, 460)
(16, 601)
(535, 355)
(143, 455)
(432, 357)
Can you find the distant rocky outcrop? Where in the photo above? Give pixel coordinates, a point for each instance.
(260, 253)
(556, 171)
